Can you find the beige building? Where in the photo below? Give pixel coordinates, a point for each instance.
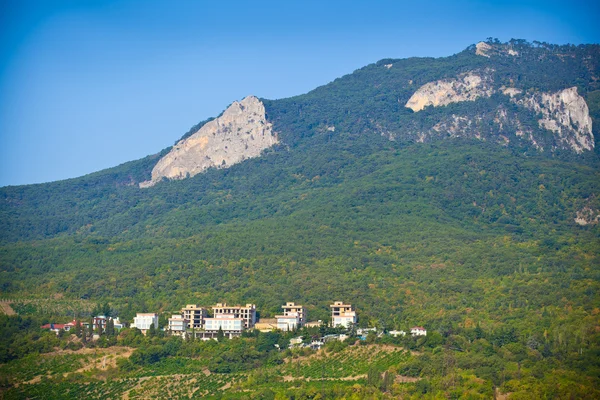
(247, 313)
(292, 308)
(266, 324)
(342, 314)
(195, 316)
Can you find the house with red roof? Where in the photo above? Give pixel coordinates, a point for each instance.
(58, 327)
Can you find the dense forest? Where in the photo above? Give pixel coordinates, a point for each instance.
(473, 240)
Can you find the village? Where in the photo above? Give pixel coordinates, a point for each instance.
(193, 321)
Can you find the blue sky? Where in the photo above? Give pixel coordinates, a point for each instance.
(86, 85)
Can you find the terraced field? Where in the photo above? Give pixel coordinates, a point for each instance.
(82, 375)
(353, 362)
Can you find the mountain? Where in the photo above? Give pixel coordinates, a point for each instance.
(417, 175)
(459, 193)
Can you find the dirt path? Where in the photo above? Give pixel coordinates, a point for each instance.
(289, 378)
(407, 379)
(6, 308)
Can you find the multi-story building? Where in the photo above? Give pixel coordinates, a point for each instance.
(294, 316)
(247, 313)
(99, 323)
(342, 314)
(287, 322)
(195, 315)
(143, 321)
(178, 325)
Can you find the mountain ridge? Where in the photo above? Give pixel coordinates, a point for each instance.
(363, 110)
(489, 243)
(543, 51)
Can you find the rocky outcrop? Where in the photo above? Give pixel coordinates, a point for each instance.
(482, 49)
(487, 50)
(242, 132)
(587, 216)
(466, 87)
(512, 92)
(566, 114)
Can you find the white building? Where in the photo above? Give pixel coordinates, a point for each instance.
(316, 344)
(340, 337)
(247, 313)
(178, 325)
(294, 316)
(342, 314)
(365, 331)
(143, 321)
(117, 323)
(418, 331)
(229, 324)
(287, 323)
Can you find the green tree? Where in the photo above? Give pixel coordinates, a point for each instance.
(110, 327)
(106, 310)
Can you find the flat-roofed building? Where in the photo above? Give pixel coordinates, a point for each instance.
(266, 324)
(342, 314)
(313, 324)
(287, 322)
(294, 316)
(195, 315)
(293, 309)
(227, 323)
(178, 325)
(247, 313)
(143, 321)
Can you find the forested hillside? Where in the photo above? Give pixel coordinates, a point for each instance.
(453, 233)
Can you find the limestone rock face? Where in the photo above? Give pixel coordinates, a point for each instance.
(482, 49)
(566, 114)
(242, 132)
(587, 216)
(487, 50)
(466, 87)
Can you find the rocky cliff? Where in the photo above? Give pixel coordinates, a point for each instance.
(242, 132)
(566, 114)
(563, 113)
(466, 87)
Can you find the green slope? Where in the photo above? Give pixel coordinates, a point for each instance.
(313, 234)
(450, 234)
